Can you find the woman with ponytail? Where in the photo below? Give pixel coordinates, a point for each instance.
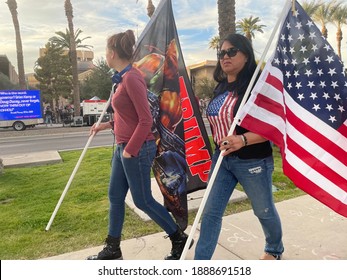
(135, 151)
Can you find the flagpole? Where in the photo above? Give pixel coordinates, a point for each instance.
(232, 128)
(78, 164)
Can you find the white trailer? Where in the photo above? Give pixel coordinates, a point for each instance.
(20, 109)
(92, 109)
(21, 124)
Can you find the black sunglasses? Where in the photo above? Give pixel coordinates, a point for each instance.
(231, 52)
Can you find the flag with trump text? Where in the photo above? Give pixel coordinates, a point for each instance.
(183, 157)
(300, 103)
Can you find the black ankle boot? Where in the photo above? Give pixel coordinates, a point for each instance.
(178, 240)
(111, 250)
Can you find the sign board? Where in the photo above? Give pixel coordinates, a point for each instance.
(20, 104)
(93, 107)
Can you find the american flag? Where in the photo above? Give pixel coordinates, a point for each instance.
(220, 114)
(300, 103)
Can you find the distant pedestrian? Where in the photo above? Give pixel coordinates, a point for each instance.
(57, 115)
(48, 115)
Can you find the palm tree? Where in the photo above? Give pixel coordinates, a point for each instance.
(73, 59)
(63, 39)
(339, 18)
(214, 43)
(226, 17)
(323, 15)
(12, 5)
(311, 7)
(150, 8)
(249, 25)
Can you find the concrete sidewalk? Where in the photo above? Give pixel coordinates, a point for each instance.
(311, 231)
(31, 159)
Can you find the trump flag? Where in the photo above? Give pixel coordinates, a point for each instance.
(300, 103)
(183, 157)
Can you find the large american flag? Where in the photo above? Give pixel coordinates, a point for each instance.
(300, 103)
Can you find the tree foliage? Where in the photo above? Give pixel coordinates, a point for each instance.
(248, 27)
(214, 43)
(98, 83)
(5, 83)
(53, 71)
(63, 39)
(204, 87)
(324, 12)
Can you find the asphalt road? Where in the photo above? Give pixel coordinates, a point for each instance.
(56, 137)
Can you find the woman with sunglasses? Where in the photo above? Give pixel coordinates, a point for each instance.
(247, 156)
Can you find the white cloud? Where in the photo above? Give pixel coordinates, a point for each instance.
(196, 21)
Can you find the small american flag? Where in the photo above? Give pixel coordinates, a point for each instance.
(220, 114)
(300, 103)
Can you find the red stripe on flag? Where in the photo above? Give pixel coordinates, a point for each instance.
(316, 164)
(325, 143)
(264, 129)
(275, 82)
(270, 105)
(343, 129)
(223, 120)
(312, 189)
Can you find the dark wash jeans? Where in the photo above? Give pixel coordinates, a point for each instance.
(255, 176)
(134, 174)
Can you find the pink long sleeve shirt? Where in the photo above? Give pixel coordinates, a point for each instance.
(132, 115)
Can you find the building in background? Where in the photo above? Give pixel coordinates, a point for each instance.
(31, 80)
(82, 55)
(199, 71)
(84, 66)
(8, 69)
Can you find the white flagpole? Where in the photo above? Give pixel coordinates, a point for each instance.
(231, 131)
(78, 164)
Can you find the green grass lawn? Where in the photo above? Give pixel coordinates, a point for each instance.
(29, 195)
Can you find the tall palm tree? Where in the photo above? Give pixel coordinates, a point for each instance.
(150, 8)
(323, 15)
(339, 18)
(73, 59)
(310, 7)
(12, 5)
(226, 17)
(248, 26)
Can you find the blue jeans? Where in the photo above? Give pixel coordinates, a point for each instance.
(255, 176)
(134, 174)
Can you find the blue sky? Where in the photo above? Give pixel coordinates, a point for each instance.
(196, 21)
